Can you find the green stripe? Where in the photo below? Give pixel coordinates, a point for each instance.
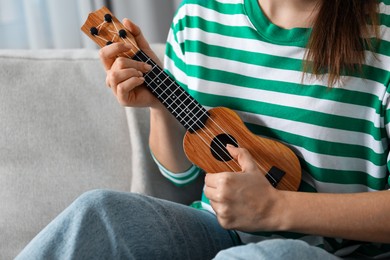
(387, 116)
(371, 104)
(305, 187)
(386, 2)
(194, 172)
(290, 113)
(244, 32)
(274, 33)
(195, 22)
(179, 64)
(345, 177)
(320, 146)
(247, 57)
(349, 96)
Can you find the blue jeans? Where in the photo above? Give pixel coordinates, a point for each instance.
(103, 224)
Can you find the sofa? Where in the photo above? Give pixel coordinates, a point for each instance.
(62, 133)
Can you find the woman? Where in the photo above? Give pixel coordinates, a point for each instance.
(312, 74)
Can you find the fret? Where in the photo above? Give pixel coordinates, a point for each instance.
(193, 121)
(186, 107)
(171, 96)
(181, 105)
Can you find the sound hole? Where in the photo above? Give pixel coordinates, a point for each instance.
(218, 147)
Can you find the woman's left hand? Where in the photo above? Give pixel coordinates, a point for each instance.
(245, 200)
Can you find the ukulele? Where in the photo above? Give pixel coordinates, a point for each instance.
(208, 131)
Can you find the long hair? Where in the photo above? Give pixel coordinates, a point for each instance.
(341, 32)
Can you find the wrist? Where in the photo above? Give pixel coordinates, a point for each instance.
(280, 211)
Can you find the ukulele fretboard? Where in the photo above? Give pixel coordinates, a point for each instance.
(181, 105)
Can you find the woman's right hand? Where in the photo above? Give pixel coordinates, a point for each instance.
(125, 75)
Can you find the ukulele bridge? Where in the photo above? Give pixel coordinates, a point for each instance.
(275, 175)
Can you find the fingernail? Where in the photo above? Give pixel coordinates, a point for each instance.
(230, 145)
(147, 67)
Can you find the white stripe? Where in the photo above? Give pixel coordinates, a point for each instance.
(243, 44)
(377, 60)
(386, 100)
(253, 45)
(170, 66)
(283, 99)
(387, 126)
(267, 73)
(316, 132)
(340, 163)
(175, 175)
(230, 1)
(384, 32)
(319, 160)
(169, 177)
(175, 46)
(384, 9)
(190, 171)
(210, 15)
(340, 188)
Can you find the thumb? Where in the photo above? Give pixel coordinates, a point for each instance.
(244, 158)
(137, 33)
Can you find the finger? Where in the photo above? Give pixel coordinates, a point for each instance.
(124, 63)
(210, 193)
(124, 89)
(114, 77)
(211, 180)
(109, 53)
(137, 33)
(244, 158)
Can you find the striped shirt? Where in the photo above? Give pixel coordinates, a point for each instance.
(227, 53)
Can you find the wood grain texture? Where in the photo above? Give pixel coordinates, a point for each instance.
(266, 152)
(108, 31)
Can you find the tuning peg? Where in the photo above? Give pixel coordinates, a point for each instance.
(122, 33)
(108, 18)
(94, 31)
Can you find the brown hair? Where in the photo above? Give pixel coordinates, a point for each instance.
(341, 32)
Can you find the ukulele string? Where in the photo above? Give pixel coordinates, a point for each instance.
(127, 40)
(202, 126)
(219, 144)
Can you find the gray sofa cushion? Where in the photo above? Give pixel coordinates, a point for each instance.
(62, 133)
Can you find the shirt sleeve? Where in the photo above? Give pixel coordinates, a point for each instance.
(179, 179)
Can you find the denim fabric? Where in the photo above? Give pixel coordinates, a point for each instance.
(275, 249)
(103, 224)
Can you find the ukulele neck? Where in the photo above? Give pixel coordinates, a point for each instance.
(182, 106)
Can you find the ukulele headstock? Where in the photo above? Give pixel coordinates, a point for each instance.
(104, 29)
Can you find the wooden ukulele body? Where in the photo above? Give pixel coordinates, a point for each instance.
(209, 131)
(266, 152)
